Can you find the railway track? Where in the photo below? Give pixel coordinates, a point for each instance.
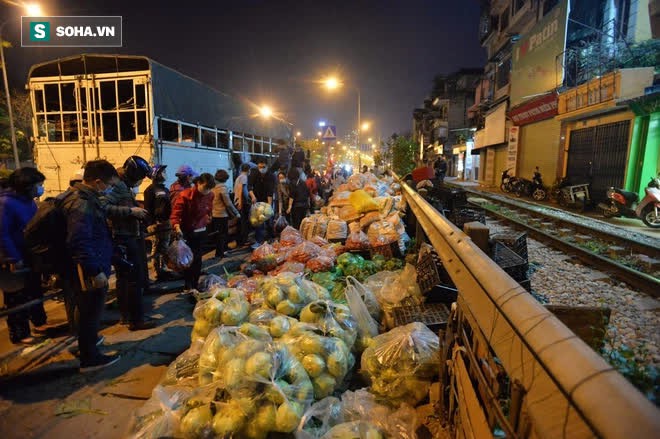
(626, 256)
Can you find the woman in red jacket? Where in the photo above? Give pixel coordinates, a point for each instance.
(191, 213)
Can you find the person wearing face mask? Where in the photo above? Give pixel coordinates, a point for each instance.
(223, 209)
(261, 189)
(18, 284)
(130, 255)
(89, 254)
(191, 214)
(159, 206)
(299, 198)
(282, 194)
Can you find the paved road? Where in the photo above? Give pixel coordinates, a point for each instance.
(36, 386)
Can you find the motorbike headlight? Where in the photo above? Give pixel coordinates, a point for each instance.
(609, 192)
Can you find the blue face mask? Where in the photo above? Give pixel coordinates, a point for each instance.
(40, 191)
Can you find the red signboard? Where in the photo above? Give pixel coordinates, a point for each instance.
(534, 110)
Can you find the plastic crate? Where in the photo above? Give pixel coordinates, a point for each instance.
(467, 215)
(428, 274)
(515, 241)
(433, 315)
(510, 262)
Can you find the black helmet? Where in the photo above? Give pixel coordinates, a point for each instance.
(136, 168)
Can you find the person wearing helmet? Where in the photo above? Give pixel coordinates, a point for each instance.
(158, 205)
(130, 254)
(184, 175)
(76, 177)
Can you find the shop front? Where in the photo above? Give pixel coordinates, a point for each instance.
(534, 138)
(598, 128)
(490, 147)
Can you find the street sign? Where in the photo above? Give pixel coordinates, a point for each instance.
(330, 132)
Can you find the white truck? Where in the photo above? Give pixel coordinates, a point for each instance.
(113, 106)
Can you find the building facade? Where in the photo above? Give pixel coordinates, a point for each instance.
(554, 90)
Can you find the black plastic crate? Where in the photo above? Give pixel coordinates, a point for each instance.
(526, 284)
(433, 315)
(510, 262)
(515, 241)
(428, 272)
(467, 215)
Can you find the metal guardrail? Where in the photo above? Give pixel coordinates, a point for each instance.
(564, 389)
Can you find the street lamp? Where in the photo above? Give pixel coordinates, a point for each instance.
(298, 134)
(333, 83)
(266, 111)
(32, 10)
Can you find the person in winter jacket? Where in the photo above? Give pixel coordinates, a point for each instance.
(89, 245)
(223, 209)
(19, 285)
(299, 198)
(261, 185)
(185, 175)
(130, 257)
(242, 202)
(159, 208)
(282, 193)
(191, 214)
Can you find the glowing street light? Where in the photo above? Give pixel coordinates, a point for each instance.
(322, 123)
(331, 83)
(266, 111)
(298, 134)
(319, 134)
(369, 140)
(33, 10)
(365, 126)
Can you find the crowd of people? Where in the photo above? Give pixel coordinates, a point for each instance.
(104, 226)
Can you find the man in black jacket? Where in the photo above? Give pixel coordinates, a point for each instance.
(130, 259)
(89, 244)
(261, 184)
(159, 207)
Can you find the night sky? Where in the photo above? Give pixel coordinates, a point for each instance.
(271, 52)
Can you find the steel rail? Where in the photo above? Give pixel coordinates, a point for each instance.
(636, 279)
(570, 391)
(638, 246)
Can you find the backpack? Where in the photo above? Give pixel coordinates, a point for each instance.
(45, 237)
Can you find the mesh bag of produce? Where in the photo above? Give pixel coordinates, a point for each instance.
(288, 267)
(368, 219)
(260, 213)
(357, 415)
(277, 324)
(401, 363)
(161, 415)
(320, 263)
(227, 306)
(382, 233)
(290, 237)
(326, 359)
(287, 293)
(303, 252)
(264, 257)
(358, 241)
(333, 319)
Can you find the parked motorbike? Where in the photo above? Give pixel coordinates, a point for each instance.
(622, 203)
(507, 181)
(533, 188)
